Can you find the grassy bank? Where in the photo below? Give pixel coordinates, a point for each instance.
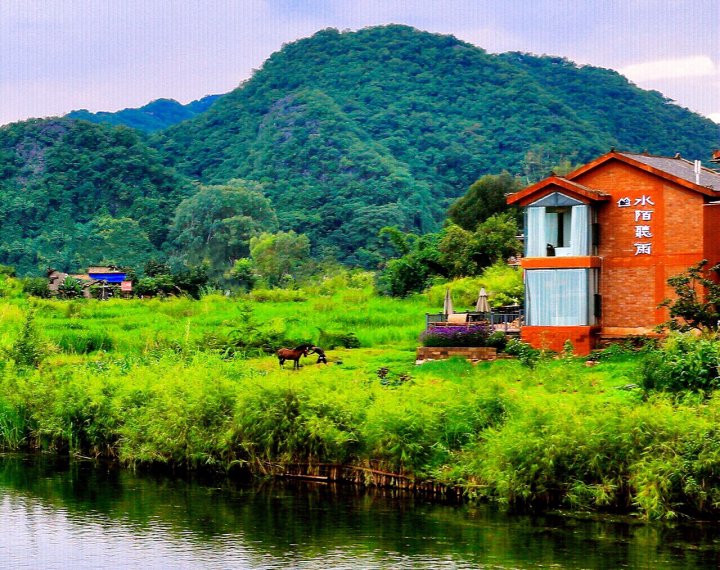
(168, 382)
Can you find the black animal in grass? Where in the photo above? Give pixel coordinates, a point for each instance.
(321, 354)
(293, 354)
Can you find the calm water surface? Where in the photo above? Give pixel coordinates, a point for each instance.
(60, 514)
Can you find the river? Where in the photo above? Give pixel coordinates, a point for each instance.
(57, 513)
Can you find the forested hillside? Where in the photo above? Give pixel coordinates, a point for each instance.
(155, 116)
(351, 131)
(337, 136)
(74, 194)
(638, 119)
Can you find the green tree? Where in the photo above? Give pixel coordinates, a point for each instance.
(412, 272)
(216, 224)
(486, 197)
(465, 253)
(496, 239)
(244, 274)
(458, 249)
(112, 241)
(278, 256)
(153, 268)
(697, 302)
(401, 241)
(192, 280)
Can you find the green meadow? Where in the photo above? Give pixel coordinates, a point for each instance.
(189, 384)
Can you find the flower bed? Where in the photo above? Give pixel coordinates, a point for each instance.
(476, 334)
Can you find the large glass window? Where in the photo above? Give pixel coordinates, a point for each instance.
(559, 297)
(558, 231)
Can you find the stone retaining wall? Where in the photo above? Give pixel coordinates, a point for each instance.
(443, 352)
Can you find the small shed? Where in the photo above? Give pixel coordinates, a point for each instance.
(110, 274)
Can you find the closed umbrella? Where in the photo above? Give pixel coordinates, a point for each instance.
(482, 305)
(447, 304)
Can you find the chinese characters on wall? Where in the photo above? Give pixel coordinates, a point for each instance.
(643, 216)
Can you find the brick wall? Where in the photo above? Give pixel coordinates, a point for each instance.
(712, 233)
(632, 282)
(583, 339)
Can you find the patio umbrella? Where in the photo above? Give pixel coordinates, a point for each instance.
(447, 304)
(482, 305)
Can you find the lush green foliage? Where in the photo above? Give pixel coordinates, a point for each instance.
(526, 354)
(161, 281)
(413, 271)
(453, 252)
(276, 257)
(697, 301)
(74, 194)
(502, 283)
(683, 363)
(485, 197)
(29, 348)
(354, 131)
(215, 225)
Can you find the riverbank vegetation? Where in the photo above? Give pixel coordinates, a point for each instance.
(192, 384)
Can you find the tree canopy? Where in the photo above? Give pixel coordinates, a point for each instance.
(453, 252)
(485, 197)
(277, 256)
(216, 224)
(62, 183)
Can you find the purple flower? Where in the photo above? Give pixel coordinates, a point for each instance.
(471, 335)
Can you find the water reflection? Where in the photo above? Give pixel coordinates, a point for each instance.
(61, 514)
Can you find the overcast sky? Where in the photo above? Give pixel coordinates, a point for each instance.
(105, 55)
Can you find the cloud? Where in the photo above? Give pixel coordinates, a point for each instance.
(714, 117)
(694, 66)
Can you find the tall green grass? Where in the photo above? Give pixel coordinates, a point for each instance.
(138, 380)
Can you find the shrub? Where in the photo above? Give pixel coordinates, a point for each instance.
(249, 337)
(684, 362)
(7, 270)
(29, 348)
(13, 425)
(331, 340)
(503, 283)
(526, 354)
(158, 285)
(278, 295)
(497, 340)
(472, 335)
(36, 287)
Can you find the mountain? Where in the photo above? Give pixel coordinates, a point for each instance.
(155, 116)
(350, 131)
(74, 194)
(344, 132)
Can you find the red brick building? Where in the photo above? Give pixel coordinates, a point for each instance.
(602, 242)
